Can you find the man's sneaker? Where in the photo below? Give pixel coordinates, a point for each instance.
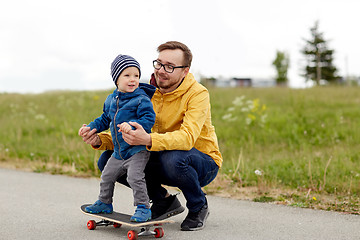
(166, 207)
(142, 214)
(196, 220)
(99, 207)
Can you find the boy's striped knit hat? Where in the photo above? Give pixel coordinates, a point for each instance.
(120, 63)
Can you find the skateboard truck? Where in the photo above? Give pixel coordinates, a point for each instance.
(132, 234)
(91, 225)
(117, 220)
(145, 231)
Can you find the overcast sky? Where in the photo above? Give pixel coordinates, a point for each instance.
(70, 44)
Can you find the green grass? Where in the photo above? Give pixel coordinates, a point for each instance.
(43, 129)
(310, 139)
(305, 131)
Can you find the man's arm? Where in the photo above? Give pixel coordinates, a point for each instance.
(138, 136)
(182, 139)
(106, 142)
(101, 141)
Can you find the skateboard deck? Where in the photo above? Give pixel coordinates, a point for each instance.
(118, 219)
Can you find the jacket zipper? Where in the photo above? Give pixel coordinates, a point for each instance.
(116, 134)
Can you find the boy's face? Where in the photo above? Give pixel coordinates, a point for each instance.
(128, 80)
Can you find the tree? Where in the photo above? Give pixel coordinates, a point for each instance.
(281, 64)
(319, 58)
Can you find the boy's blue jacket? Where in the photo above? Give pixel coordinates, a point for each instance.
(122, 107)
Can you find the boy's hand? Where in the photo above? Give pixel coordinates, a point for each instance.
(124, 127)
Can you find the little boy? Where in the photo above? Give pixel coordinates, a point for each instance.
(130, 102)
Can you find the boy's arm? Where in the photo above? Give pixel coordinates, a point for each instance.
(102, 123)
(146, 115)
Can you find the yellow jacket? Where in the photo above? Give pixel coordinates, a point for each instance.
(183, 121)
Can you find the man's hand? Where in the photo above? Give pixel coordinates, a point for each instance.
(89, 137)
(138, 136)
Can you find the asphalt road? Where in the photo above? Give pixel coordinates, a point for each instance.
(43, 206)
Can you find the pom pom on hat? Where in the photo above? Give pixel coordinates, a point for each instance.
(120, 63)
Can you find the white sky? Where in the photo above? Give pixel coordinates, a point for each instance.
(70, 44)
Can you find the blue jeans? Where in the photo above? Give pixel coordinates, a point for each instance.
(187, 170)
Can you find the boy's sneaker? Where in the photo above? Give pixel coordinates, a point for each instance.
(142, 214)
(196, 220)
(166, 207)
(99, 207)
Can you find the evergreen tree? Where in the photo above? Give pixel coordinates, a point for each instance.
(281, 63)
(319, 58)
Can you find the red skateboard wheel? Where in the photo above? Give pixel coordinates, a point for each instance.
(91, 225)
(132, 235)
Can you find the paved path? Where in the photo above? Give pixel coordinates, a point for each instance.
(43, 206)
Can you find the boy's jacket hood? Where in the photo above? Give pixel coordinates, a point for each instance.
(143, 89)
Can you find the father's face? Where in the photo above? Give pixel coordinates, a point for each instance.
(168, 82)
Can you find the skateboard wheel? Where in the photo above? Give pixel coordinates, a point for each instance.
(117, 225)
(91, 225)
(132, 235)
(159, 232)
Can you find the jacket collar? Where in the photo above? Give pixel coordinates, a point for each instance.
(181, 89)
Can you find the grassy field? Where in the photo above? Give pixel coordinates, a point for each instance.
(293, 146)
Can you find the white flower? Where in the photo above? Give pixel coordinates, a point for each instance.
(341, 119)
(263, 118)
(227, 116)
(250, 103)
(248, 121)
(258, 172)
(40, 117)
(238, 101)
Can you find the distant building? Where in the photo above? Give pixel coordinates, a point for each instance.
(239, 82)
(263, 83)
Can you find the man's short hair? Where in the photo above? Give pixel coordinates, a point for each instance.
(178, 45)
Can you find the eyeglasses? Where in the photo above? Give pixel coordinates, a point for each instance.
(168, 68)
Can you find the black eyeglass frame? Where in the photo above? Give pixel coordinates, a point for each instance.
(163, 65)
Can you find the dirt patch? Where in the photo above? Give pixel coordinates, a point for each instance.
(223, 186)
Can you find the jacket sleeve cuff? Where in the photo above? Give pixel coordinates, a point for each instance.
(155, 143)
(106, 142)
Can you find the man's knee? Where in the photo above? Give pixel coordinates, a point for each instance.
(173, 165)
(103, 159)
(172, 159)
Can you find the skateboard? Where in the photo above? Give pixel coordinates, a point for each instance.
(118, 219)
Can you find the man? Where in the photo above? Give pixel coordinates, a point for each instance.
(183, 142)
